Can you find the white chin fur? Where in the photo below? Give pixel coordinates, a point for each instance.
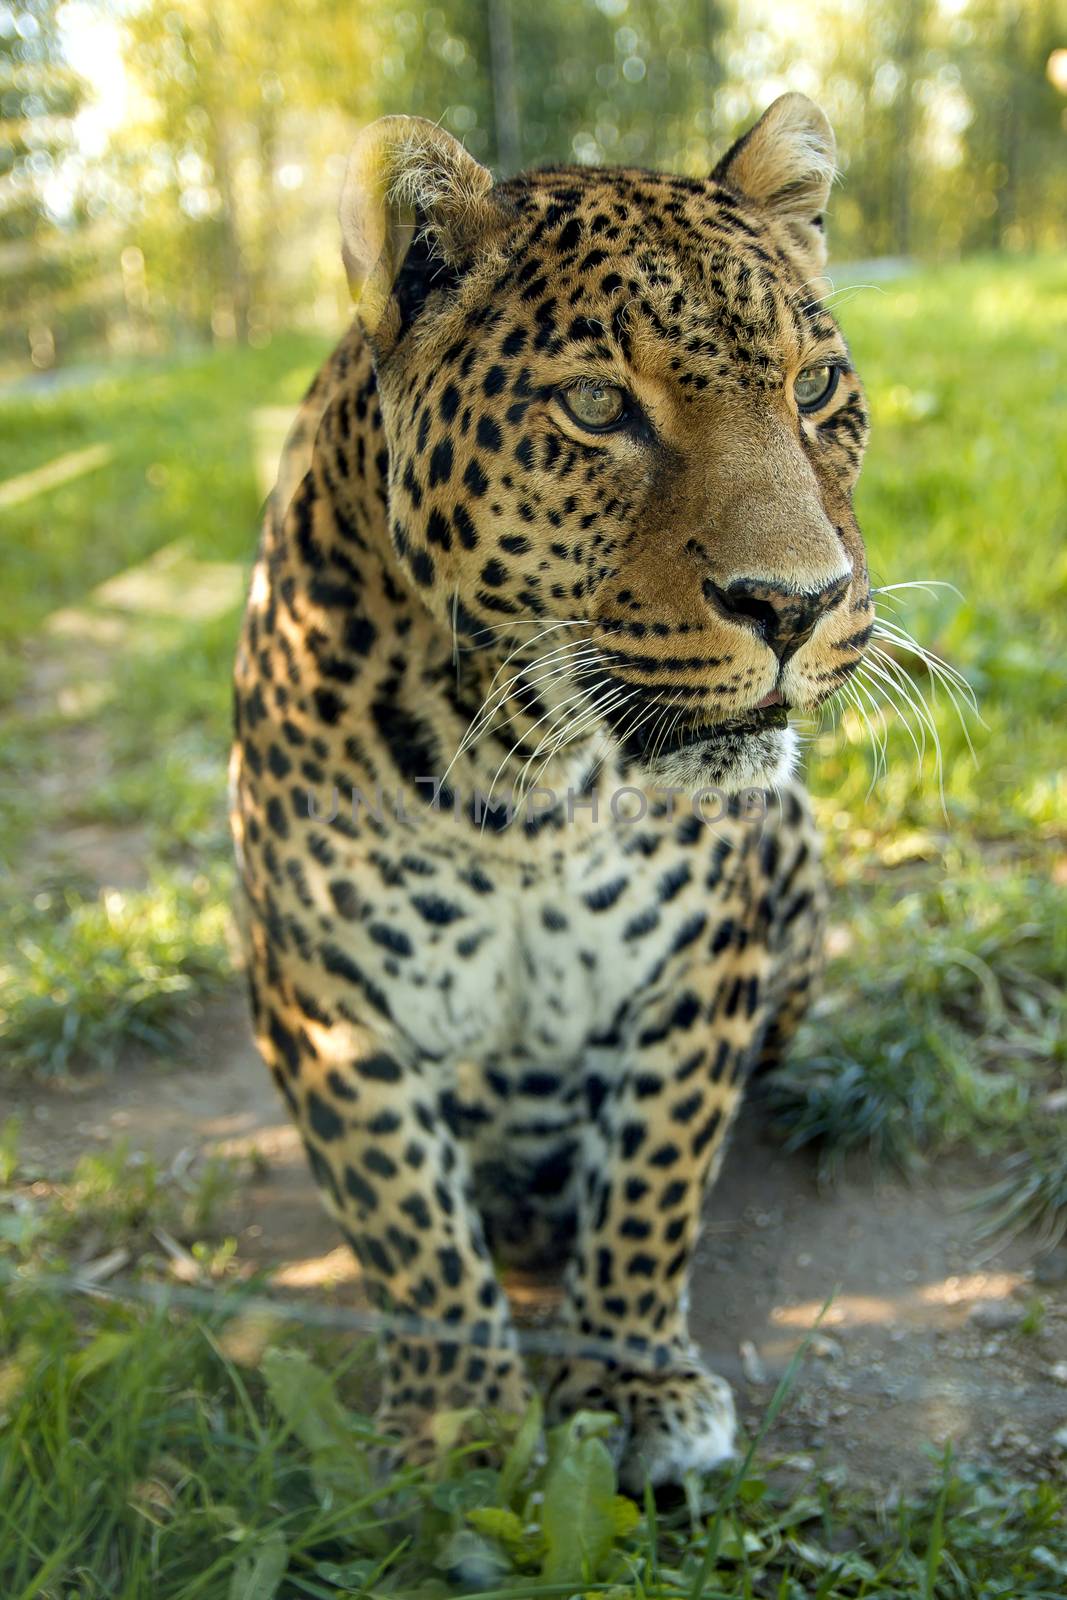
(731, 763)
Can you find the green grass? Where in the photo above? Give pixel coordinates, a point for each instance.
(182, 467)
(137, 1456)
(96, 971)
(84, 971)
(150, 1456)
(944, 1022)
(966, 371)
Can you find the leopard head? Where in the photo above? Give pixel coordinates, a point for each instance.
(622, 427)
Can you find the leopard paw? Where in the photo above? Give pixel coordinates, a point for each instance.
(423, 1424)
(670, 1422)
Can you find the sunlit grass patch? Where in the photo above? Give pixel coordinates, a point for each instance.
(116, 1207)
(182, 466)
(944, 1020)
(965, 371)
(83, 973)
(176, 799)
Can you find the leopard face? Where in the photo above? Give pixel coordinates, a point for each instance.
(621, 424)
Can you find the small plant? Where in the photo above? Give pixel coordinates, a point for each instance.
(83, 974)
(1031, 1195)
(117, 1200)
(943, 1024)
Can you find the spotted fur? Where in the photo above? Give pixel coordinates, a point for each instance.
(527, 1033)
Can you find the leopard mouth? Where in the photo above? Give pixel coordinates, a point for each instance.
(650, 742)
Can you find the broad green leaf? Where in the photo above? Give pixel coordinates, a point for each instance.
(583, 1425)
(258, 1575)
(481, 1487)
(336, 1440)
(353, 1575)
(736, 1542)
(305, 1397)
(524, 1542)
(521, 1452)
(449, 1427)
(100, 1353)
(577, 1514)
(625, 1516)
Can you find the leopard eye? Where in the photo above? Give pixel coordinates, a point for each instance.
(814, 386)
(595, 405)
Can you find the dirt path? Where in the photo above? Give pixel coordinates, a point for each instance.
(928, 1337)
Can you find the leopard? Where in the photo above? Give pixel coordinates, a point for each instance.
(562, 537)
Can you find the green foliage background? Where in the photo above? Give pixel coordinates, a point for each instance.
(202, 205)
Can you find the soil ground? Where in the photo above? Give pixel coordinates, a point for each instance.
(928, 1337)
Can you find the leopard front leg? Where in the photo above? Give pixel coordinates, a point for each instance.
(397, 1181)
(655, 1147)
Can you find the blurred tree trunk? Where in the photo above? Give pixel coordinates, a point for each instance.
(41, 264)
(908, 48)
(504, 87)
(232, 254)
(233, 261)
(260, 284)
(1006, 185)
(714, 28)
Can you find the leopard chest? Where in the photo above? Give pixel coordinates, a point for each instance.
(530, 957)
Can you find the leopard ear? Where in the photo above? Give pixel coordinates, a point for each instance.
(785, 164)
(410, 190)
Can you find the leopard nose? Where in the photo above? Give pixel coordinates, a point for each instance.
(783, 618)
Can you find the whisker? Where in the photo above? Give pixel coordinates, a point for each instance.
(659, 729)
(530, 622)
(864, 696)
(554, 712)
(913, 697)
(876, 660)
(526, 644)
(849, 692)
(913, 694)
(877, 674)
(928, 585)
(564, 733)
(891, 633)
(571, 733)
(642, 714)
(455, 635)
(559, 729)
(834, 294)
(492, 701)
(574, 667)
(951, 681)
